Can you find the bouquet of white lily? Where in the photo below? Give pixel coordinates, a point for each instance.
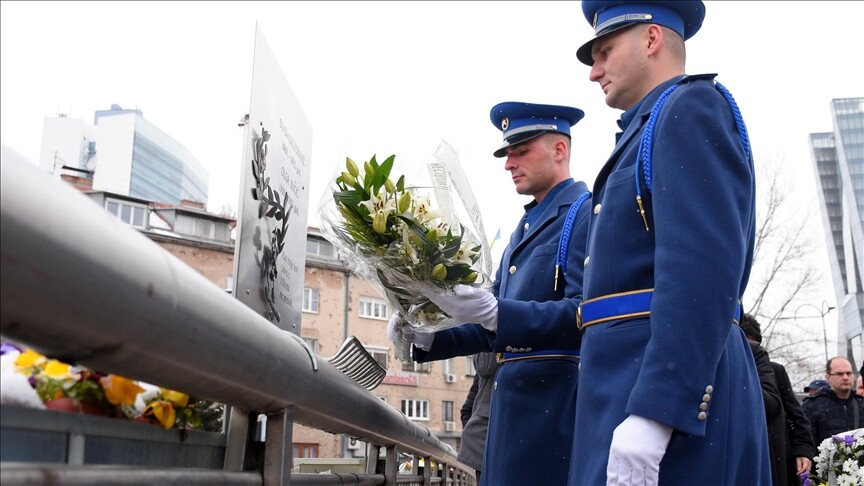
(404, 236)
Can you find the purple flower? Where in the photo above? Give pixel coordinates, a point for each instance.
(8, 348)
(845, 439)
(805, 478)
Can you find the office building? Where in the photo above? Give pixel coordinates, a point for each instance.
(838, 158)
(123, 154)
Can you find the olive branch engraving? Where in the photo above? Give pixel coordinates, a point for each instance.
(269, 206)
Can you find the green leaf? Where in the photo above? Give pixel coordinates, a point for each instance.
(349, 198)
(382, 172)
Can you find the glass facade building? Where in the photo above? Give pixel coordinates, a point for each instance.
(125, 154)
(144, 161)
(838, 159)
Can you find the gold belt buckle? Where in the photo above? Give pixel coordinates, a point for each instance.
(499, 357)
(579, 317)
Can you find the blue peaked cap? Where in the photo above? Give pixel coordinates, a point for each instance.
(606, 16)
(521, 122)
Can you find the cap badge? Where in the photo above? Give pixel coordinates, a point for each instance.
(594, 25)
(505, 123)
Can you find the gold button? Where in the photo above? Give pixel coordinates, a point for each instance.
(512, 269)
(706, 398)
(597, 209)
(709, 389)
(527, 350)
(526, 226)
(702, 416)
(508, 349)
(587, 259)
(703, 406)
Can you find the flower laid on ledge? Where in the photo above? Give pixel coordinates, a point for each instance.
(393, 234)
(840, 461)
(60, 386)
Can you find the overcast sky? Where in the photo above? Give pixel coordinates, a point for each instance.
(398, 77)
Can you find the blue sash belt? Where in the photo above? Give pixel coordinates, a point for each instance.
(543, 353)
(636, 303)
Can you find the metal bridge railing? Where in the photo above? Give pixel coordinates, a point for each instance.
(83, 287)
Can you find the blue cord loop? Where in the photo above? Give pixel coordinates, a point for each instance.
(566, 231)
(646, 144)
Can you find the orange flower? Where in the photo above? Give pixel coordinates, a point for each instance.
(119, 390)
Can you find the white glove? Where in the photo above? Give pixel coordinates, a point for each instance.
(398, 332)
(469, 304)
(638, 446)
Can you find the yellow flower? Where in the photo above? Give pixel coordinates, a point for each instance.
(119, 390)
(57, 369)
(163, 411)
(28, 358)
(175, 398)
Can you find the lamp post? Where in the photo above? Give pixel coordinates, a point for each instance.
(823, 311)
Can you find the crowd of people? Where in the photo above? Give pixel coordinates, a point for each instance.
(611, 348)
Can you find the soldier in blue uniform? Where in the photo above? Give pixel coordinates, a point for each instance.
(528, 316)
(669, 393)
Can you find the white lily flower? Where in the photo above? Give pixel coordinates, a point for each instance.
(378, 203)
(465, 253)
(424, 212)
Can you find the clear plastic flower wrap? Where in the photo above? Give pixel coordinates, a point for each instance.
(408, 235)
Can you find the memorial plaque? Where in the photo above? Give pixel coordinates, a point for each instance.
(274, 195)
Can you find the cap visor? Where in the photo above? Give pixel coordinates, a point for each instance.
(502, 150)
(584, 52)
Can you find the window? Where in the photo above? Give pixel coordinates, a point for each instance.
(447, 411)
(129, 213)
(416, 409)
(315, 246)
(373, 308)
(194, 226)
(312, 343)
(305, 450)
(469, 366)
(417, 367)
(447, 366)
(310, 300)
(379, 354)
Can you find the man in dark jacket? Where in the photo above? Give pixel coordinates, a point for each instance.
(838, 409)
(792, 448)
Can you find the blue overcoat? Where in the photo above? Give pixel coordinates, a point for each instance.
(687, 364)
(533, 400)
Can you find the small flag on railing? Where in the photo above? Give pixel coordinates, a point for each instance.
(497, 237)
